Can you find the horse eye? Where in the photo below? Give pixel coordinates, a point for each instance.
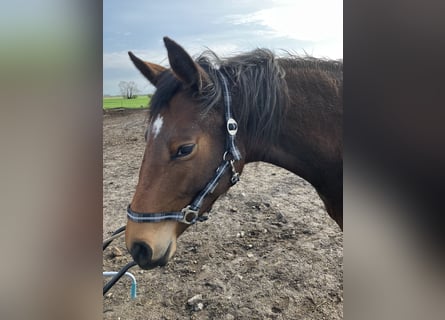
(184, 150)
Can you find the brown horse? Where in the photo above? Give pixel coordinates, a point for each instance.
(210, 117)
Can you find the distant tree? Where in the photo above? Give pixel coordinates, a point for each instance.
(128, 89)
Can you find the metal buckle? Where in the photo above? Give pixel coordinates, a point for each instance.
(235, 175)
(235, 178)
(232, 126)
(226, 156)
(189, 215)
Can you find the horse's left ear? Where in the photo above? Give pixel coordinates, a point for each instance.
(182, 64)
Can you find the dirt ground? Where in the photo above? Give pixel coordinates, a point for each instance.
(268, 251)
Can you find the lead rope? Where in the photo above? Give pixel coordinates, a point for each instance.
(105, 244)
(118, 276)
(114, 235)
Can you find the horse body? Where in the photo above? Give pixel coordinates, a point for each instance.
(289, 112)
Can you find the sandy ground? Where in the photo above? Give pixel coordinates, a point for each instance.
(268, 251)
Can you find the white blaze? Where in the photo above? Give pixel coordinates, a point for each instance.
(157, 125)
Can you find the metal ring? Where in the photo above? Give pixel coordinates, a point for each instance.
(228, 156)
(186, 215)
(234, 124)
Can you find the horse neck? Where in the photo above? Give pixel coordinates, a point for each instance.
(309, 143)
(309, 135)
(314, 154)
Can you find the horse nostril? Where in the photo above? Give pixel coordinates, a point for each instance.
(141, 253)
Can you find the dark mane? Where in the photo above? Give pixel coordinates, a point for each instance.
(258, 87)
(312, 63)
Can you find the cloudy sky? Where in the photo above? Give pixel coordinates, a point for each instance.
(313, 27)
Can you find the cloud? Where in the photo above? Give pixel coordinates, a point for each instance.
(315, 20)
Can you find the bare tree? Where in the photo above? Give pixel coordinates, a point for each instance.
(128, 89)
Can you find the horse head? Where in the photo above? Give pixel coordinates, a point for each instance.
(186, 149)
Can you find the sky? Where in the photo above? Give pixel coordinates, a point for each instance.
(313, 27)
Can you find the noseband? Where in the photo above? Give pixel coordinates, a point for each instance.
(190, 213)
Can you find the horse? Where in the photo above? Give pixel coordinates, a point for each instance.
(210, 116)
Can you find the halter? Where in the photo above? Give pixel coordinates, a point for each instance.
(190, 213)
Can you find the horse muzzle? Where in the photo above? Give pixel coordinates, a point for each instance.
(142, 254)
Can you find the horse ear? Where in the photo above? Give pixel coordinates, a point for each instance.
(182, 64)
(150, 70)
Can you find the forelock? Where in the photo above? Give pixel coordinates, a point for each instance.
(167, 86)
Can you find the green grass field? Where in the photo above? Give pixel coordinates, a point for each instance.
(119, 102)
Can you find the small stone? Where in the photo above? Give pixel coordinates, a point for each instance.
(250, 255)
(116, 252)
(199, 306)
(109, 295)
(194, 300)
(264, 230)
(250, 246)
(205, 268)
(280, 217)
(240, 234)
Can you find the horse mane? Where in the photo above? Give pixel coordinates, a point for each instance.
(258, 88)
(257, 84)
